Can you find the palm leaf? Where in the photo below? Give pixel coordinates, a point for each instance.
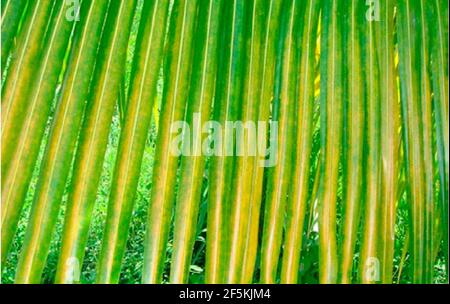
(412, 125)
(265, 98)
(192, 167)
(390, 126)
(331, 135)
(12, 12)
(19, 172)
(278, 181)
(354, 137)
(304, 110)
(370, 245)
(179, 57)
(253, 109)
(228, 94)
(439, 52)
(16, 89)
(67, 124)
(95, 128)
(240, 201)
(134, 134)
